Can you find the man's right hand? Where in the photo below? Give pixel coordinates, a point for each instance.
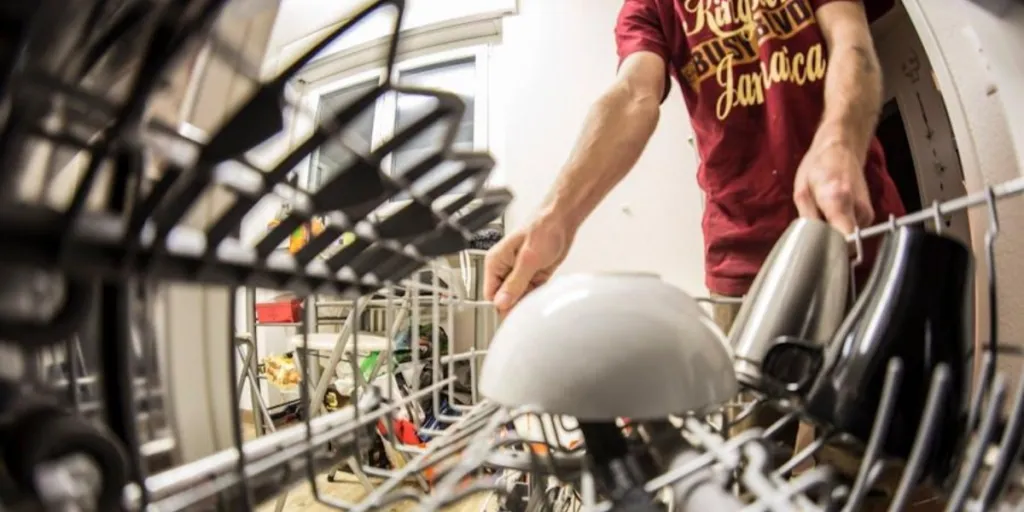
(616, 130)
(524, 260)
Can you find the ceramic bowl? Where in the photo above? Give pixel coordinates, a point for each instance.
(602, 346)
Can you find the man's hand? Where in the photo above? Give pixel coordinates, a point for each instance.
(830, 184)
(524, 260)
(830, 181)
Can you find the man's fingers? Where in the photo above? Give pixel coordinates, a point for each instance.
(499, 262)
(517, 282)
(865, 213)
(503, 311)
(512, 289)
(494, 274)
(837, 206)
(806, 207)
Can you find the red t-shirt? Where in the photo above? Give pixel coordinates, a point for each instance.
(752, 74)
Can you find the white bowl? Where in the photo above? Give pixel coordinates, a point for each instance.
(602, 346)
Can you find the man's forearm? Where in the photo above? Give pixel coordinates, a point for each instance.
(613, 137)
(853, 97)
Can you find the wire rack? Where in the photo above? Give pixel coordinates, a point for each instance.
(82, 399)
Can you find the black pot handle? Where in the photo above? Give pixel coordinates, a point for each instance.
(792, 364)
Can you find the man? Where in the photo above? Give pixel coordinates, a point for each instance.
(783, 96)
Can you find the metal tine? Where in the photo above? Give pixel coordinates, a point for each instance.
(98, 41)
(1006, 189)
(222, 145)
(99, 151)
(973, 459)
(858, 260)
(308, 407)
(72, 361)
(561, 446)
(548, 445)
(435, 339)
(786, 470)
(249, 126)
(797, 488)
(453, 234)
(236, 417)
(474, 454)
(710, 455)
(776, 427)
(445, 101)
(755, 477)
(978, 396)
(478, 168)
(150, 364)
(451, 360)
(993, 291)
(481, 444)
(420, 216)
(588, 489)
(389, 420)
(879, 431)
(937, 216)
(159, 55)
(327, 40)
(930, 424)
(414, 330)
(243, 204)
(746, 411)
(424, 460)
(450, 107)
(1009, 452)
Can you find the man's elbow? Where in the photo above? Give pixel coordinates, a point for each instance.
(868, 61)
(634, 102)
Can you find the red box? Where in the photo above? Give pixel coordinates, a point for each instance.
(288, 311)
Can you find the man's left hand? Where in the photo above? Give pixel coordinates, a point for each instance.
(830, 183)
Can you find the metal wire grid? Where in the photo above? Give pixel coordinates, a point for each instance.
(987, 477)
(143, 237)
(480, 453)
(139, 234)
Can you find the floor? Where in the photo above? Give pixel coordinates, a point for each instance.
(347, 489)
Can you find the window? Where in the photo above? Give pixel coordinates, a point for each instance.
(461, 72)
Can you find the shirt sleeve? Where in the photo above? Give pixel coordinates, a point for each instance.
(638, 29)
(873, 8)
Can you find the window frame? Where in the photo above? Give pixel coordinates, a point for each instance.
(386, 107)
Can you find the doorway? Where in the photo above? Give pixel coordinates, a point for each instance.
(892, 134)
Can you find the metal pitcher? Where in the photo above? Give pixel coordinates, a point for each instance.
(800, 291)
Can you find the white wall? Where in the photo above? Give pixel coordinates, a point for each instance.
(556, 58)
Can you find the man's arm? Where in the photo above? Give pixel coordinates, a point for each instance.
(853, 82)
(614, 135)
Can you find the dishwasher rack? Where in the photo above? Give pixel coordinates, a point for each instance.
(81, 429)
(708, 470)
(91, 265)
